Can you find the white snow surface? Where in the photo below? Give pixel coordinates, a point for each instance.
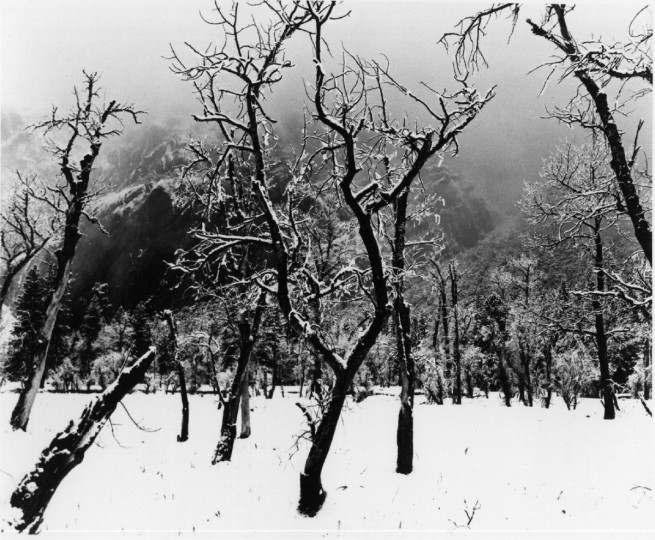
(522, 468)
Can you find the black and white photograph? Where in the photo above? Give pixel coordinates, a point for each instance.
(326, 269)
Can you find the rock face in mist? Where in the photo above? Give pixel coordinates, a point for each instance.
(144, 232)
(145, 229)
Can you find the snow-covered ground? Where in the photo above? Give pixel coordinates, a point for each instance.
(519, 468)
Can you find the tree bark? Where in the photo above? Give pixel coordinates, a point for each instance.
(68, 448)
(548, 360)
(245, 407)
(601, 336)
(647, 372)
(247, 337)
(405, 431)
(457, 389)
(504, 381)
(179, 366)
(184, 427)
(21, 413)
(312, 494)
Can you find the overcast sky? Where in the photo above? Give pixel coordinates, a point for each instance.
(47, 43)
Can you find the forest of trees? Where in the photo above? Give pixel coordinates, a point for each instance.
(332, 268)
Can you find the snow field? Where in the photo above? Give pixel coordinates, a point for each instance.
(511, 469)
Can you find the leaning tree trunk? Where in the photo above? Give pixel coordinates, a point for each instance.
(21, 413)
(245, 407)
(179, 366)
(68, 448)
(312, 494)
(247, 338)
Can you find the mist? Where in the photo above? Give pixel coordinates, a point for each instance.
(46, 45)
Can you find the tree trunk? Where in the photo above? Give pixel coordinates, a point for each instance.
(525, 360)
(601, 336)
(405, 432)
(548, 359)
(225, 444)
(504, 381)
(402, 316)
(469, 383)
(457, 390)
(179, 366)
(184, 428)
(301, 359)
(68, 448)
(647, 371)
(312, 494)
(245, 407)
(247, 337)
(21, 413)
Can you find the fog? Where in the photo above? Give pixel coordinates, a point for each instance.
(46, 44)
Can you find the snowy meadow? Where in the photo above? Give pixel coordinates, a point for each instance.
(480, 466)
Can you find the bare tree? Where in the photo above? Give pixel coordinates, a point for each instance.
(576, 204)
(66, 451)
(353, 137)
(27, 226)
(77, 138)
(598, 67)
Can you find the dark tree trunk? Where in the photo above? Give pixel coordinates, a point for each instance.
(647, 372)
(245, 408)
(442, 314)
(601, 335)
(301, 359)
(184, 428)
(405, 432)
(247, 337)
(525, 361)
(225, 444)
(68, 448)
(435, 333)
(179, 366)
(274, 380)
(454, 299)
(312, 494)
(548, 361)
(504, 381)
(521, 387)
(469, 383)
(317, 373)
(402, 317)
